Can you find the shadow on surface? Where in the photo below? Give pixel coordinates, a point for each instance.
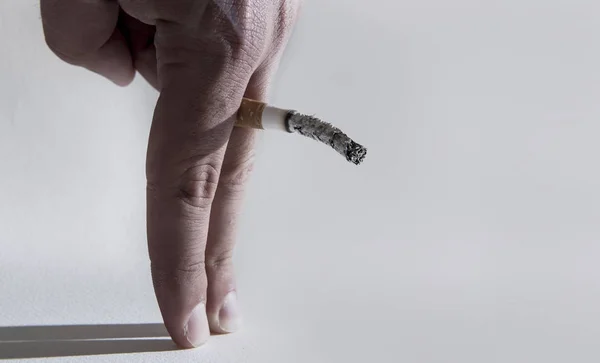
(76, 340)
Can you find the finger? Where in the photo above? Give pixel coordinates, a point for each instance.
(201, 87)
(140, 37)
(223, 311)
(85, 33)
(222, 307)
(145, 63)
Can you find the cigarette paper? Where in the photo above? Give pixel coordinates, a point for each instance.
(261, 116)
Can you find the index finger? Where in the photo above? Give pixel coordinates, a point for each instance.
(202, 80)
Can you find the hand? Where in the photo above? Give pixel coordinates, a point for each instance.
(203, 56)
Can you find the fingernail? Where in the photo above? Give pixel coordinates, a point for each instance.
(196, 330)
(230, 319)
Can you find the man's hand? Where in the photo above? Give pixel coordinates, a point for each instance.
(203, 56)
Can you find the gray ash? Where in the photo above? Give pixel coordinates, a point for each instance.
(328, 134)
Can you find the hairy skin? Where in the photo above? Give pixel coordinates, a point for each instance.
(203, 57)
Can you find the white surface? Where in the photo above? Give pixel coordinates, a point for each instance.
(471, 234)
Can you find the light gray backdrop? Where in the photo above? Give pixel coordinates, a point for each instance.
(471, 233)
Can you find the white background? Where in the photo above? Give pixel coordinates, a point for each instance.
(471, 233)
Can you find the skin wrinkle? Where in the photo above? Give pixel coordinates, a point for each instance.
(241, 18)
(235, 181)
(198, 185)
(203, 56)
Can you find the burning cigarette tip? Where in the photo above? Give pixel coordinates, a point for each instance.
(324, 132)
(356, 153)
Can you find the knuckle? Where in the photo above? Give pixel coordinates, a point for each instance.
(243, 33)
(244, 27)
(287, 15)
(283, 26)
(246, 21)
(221, 260)
(195, 187)
(198, 185)
(236, 173)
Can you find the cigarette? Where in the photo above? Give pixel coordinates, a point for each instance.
(261, 116)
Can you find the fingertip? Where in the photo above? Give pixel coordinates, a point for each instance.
(229, 316)
(196, 330)
(188, 330)
(113, 61)
(121, 77)
(122, 80)
(181, 296)
(223, 309)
